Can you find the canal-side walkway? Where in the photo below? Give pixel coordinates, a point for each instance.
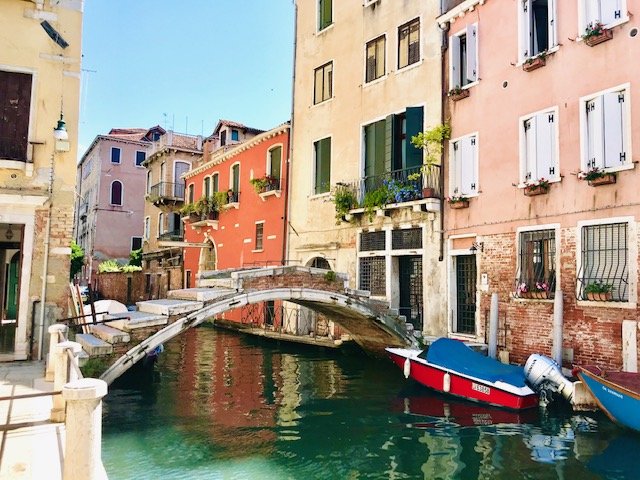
(31, 447)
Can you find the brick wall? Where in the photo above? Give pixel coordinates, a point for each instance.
(593, 333)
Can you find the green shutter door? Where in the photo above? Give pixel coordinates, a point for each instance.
(276, 160)
(323, 165)
(389, 150)
(415, 121)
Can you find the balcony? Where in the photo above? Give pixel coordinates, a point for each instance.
(172, 236)
(418, 185)
(166, 193)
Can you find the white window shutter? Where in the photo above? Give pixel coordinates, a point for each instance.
(525, 32)
(609, 11)
(595, 141)
(613, 106)
(529, 126)
(456, 155)
(545, 145)
(551, 9)
(468, 146)
(454, 77)
(472, 53)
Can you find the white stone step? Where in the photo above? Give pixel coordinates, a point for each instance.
(93, 345)
(109, 334)
(136, 320)
(200, 294)
(169, 307)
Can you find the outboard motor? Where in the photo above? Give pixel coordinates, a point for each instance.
(544, 374)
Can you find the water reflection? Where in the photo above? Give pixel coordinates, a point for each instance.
(226, 406)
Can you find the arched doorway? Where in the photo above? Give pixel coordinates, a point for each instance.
(208, 258)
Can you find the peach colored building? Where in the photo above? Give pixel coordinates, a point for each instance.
(533, 107)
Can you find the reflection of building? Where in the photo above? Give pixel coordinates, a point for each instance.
(171, 156)
(110, 182)
(521, 127)
(40, 56)
(367, 79)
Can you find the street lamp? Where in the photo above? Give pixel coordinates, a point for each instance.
(60, 132)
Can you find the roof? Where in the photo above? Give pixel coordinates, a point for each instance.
(134, 134)
(184, 141)
(239, 126)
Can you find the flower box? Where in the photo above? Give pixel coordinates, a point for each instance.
(607, 179)
(537, 190)
(599, 296)
(534, 64)
(594, 40)
(539, 295)
(463, 204)
(459, 96)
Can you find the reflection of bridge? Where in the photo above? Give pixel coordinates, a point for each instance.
(307, 287)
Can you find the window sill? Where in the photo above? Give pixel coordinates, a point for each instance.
(622, 305)
(324, 102)
(325, 29)
(257, 251)
(375, 82)
(409, 67)
(25, 167)
(551, 51)
(315, 196)
(264, 195)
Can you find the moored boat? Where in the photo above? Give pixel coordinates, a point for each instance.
(616, 393)
(452, 367)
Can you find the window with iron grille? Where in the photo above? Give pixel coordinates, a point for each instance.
(373, 275)
(259, 235)
(537, 263)
(604, 273)
(406, 239)
(372, 241)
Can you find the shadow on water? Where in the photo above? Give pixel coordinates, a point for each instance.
(226, 405)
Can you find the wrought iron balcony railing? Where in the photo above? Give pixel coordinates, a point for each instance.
(164, 191)
(172, 236)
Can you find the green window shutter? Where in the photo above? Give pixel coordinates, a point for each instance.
(323, 165)
(415, 121)
(325, 14)
(389, 150)
(215, 183)
(276, 160)
(236, 178)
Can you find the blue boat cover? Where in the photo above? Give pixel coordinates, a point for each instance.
(455, 355)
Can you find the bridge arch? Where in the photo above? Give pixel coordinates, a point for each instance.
(370, 328)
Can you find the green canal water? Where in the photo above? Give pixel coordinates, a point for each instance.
(226, 406)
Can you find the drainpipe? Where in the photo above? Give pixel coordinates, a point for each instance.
(557, 328)
(287, 210)
(443, 96)
(45, 265)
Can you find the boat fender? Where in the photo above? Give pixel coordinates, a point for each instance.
(407, 368)
(446, 382)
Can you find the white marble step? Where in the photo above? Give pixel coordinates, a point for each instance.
(93, 345)
(136, 320)
(169, 307)
(109, 334)
(200, 294)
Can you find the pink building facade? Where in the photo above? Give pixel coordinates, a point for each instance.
(538, 98)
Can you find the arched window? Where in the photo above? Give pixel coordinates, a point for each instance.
(319, 262)
(190, 193)
(116, 193)
(207, 187)
(214, 182)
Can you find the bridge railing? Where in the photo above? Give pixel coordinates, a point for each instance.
(284, 320)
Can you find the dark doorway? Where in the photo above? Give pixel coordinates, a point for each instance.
(465, 318)
(410, 284)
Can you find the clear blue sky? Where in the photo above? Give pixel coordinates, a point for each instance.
(185, 65)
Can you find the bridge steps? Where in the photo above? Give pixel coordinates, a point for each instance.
(93, 345)
(109, 334)
(169, 307)
(137, 320)
(200, 294)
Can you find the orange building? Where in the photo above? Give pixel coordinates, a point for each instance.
(540, 94)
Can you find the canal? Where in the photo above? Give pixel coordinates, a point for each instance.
(226, 406)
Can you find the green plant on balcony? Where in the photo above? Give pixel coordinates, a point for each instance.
(598, 291)
(188, 209)
(344, 200)
(399, 192)
(374, 200)
(432, 142)
(260, 184)
(594, 29)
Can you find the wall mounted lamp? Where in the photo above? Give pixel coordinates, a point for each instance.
(60, 132)
(477, 246)
(9, 233)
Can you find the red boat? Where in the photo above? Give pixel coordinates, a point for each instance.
(451, 367)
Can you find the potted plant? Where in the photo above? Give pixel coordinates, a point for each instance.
(458, 201)
(597, 176)
(599, 291)
(189, 210)
(457, 93)
(522, 291)
(596, 33)
(399, 192)
(539, 187)
(375, 199)
(540, 290)
(344, 200)
(431, 141)
(533, 63)
(263, 184)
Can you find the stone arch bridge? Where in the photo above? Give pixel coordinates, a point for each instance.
(219, 292)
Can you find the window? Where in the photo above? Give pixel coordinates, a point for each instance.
(223, 138)
(373, 275)
(149, 181)
(604, 262)
(140, 157)
(274, 165)
(115, 155)
(325, 14)
(235, 183)
(375, 54)
(206, 187)
(607, 122)
(116, 193)
(136, 243)
(406, 239)
(147, 226)
(537, 27)
(539, 146)
(386, 148)
(605, 12)
(319, 262)
(259, 235)
(15, 106)
(160, 223)
(214, 182)
(464, 57)
(372, 241)
(464, 166)
(323, 84)
(190, 194)
(409, 43)
(322, 156)
(536, 262)
(235, 135)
